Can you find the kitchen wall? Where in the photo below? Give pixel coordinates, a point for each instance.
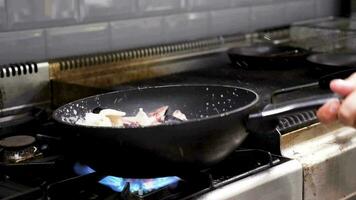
(35, 30)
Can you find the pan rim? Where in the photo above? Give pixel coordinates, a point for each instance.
(313, 59)
(195, 120)
(243, 53)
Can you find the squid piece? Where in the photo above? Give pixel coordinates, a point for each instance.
(112, 112)
(179, 115)
(159, 114)
(115, 116)
(92, 119)
(140, 120)
(143, 119)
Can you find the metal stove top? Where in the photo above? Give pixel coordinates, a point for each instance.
(245, 173)
(51, 175)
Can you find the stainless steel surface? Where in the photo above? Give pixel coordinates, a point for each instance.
(102, 64)
(22, 86)
(328, 155)
(101, 71)
(60, 69)
(65, 91)
(350, 197)
(325, 35)
(282, 182)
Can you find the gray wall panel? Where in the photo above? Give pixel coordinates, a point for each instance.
(75, 27)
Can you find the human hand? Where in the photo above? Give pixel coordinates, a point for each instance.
(344, 111)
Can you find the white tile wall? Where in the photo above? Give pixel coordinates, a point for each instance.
(242, 3)
(3, 17)
(236, 20)
(74, 27)
(185, 26)
(133, 33)
(196, 5)
(160, 7)
(21, 46)
(99, 10)
(74, 40)
(28, 14)
(326, 7)
(267, 16)
(300, 10)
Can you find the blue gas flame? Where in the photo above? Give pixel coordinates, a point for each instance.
(136, 185)
(82, 169)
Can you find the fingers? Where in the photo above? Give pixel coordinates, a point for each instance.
(352, 77)
(329, 112)
(344, 87)
(344, 112)
(347, 110)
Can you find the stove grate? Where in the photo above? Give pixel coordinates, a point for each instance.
(297, 121)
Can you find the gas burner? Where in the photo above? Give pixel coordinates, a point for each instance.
(19, 141)
(185, 187)
(132, 186)
(19, 148)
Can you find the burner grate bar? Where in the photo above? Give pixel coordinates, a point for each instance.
(296, 121)
(14, 191)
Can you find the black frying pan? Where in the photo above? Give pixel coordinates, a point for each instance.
(267, 56)
(333, 62)
(214, 129)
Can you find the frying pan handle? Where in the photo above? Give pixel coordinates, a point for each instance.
(292, 89)
(268, 118)
(324, 81)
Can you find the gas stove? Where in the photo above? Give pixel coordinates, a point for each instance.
(42, 170)
(33, 166)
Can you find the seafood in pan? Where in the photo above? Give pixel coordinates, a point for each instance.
(116, 118)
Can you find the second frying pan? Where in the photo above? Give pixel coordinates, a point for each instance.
(333, 62)
(267, 56)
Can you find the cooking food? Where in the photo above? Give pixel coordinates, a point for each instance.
(115, 118)
(170, 150)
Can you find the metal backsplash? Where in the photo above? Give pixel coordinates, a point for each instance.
(22, 86)
(27, 85)
(84, 68)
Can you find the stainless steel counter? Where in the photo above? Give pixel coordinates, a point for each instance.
(282, 182)
(328, 156)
